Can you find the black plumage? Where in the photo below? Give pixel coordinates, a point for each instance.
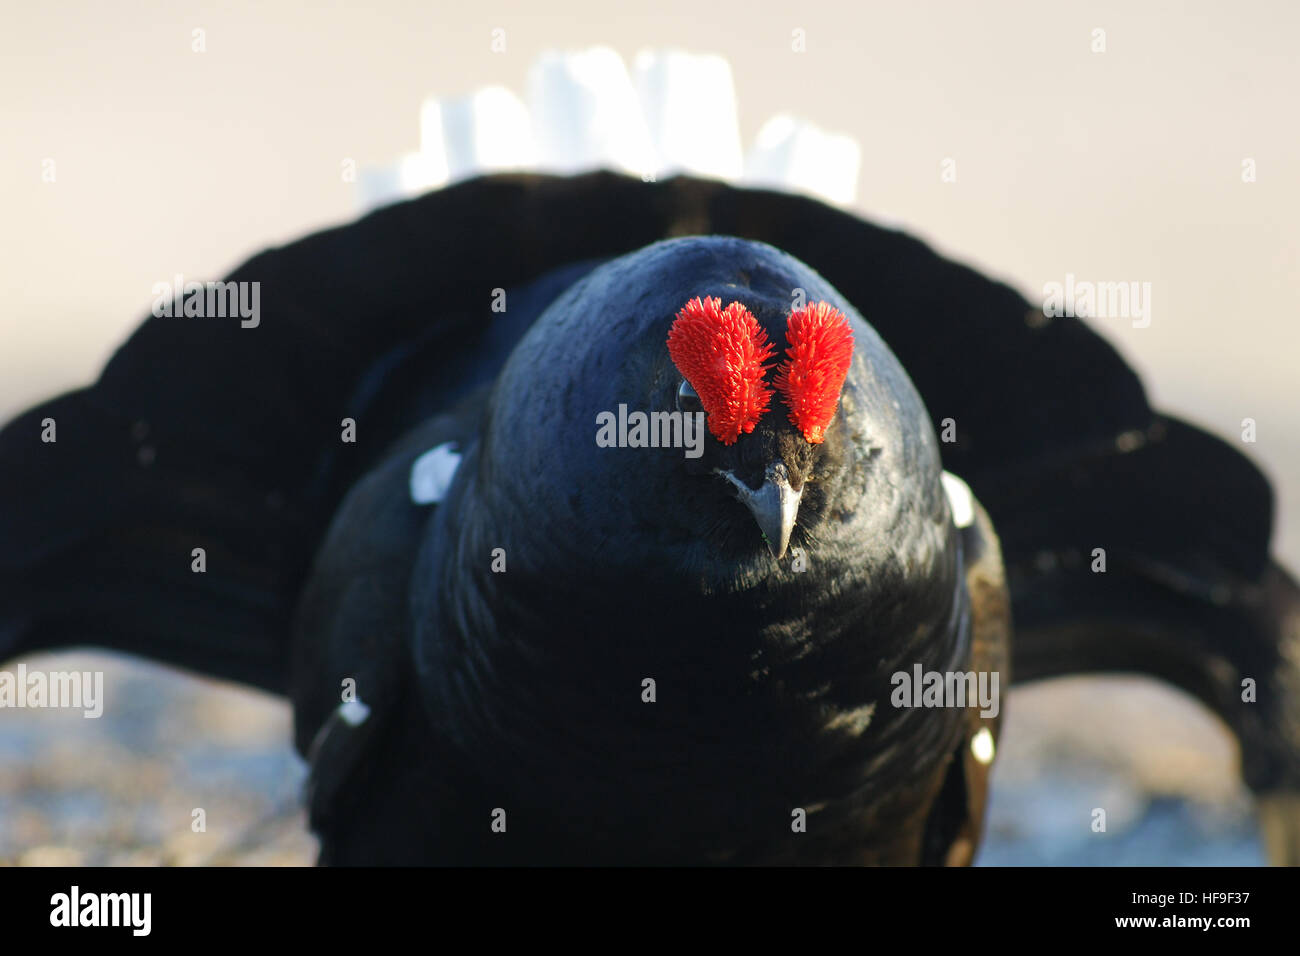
(522, 690)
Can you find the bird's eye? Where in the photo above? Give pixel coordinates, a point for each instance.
(687, 399)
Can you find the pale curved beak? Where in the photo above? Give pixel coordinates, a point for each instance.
(775, 506)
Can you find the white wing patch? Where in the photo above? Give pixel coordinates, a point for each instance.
(432, 472)
(354, 713)
(960, 500)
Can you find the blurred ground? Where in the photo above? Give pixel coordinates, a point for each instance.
(1163, 768)
(121, 789)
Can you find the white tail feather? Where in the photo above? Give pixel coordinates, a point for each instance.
(489, 131)
(797, 156)
(586, 114)
(675, 113)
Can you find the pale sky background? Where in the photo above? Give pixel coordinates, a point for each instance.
(1124, 165)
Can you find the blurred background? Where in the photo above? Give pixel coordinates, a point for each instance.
(1005, 137)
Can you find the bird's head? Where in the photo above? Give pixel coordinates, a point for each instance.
(721, 404)
(730, 375)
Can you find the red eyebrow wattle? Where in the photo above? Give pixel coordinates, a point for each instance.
(818, 355)
(721, 353)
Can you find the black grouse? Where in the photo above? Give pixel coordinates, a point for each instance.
(587, 520)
